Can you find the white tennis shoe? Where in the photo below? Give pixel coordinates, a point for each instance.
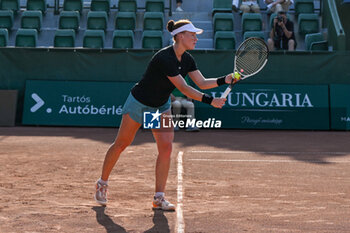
(101, 193)
(161, 204)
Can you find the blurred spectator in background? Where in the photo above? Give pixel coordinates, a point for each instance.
(282, 33)
(247, 6)
(235, 5)
(274, 6)
(178, 5)
(179, 101)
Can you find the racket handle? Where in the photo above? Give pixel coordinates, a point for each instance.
(227, 91)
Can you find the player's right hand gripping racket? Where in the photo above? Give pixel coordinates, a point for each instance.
(251, 57)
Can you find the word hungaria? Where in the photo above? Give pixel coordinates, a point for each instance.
(266, 99)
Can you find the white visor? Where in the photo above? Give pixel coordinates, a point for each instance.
(187, 27)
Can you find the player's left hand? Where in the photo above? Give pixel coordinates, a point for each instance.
(218, 102)
(229, 78)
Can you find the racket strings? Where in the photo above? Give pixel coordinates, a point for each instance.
(251, 56)
(250, 61)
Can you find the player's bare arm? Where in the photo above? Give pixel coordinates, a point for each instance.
(192, 93)
(207, 83)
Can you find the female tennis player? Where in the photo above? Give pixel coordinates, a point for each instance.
(165, 71)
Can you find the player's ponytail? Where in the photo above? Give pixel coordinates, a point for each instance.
(170, 25)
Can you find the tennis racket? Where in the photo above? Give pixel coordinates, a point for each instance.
(251, 56)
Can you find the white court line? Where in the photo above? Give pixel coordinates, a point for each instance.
(270, 152)
(180, 190)
(270, 160)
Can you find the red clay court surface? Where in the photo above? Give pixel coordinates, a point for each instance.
(220, 180)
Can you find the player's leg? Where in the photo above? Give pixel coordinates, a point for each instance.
(126, 134)
(164, 139)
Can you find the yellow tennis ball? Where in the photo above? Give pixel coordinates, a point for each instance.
(237, 76)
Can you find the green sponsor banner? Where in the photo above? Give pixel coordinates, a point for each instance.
(340, 106)
(73, 103)
(252, 106)
(249, 106)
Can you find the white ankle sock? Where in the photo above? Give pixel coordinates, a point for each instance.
(159, 194)
(102, 182)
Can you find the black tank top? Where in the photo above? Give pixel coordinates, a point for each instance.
(154, 88)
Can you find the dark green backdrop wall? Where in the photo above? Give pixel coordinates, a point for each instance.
(20, 64)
